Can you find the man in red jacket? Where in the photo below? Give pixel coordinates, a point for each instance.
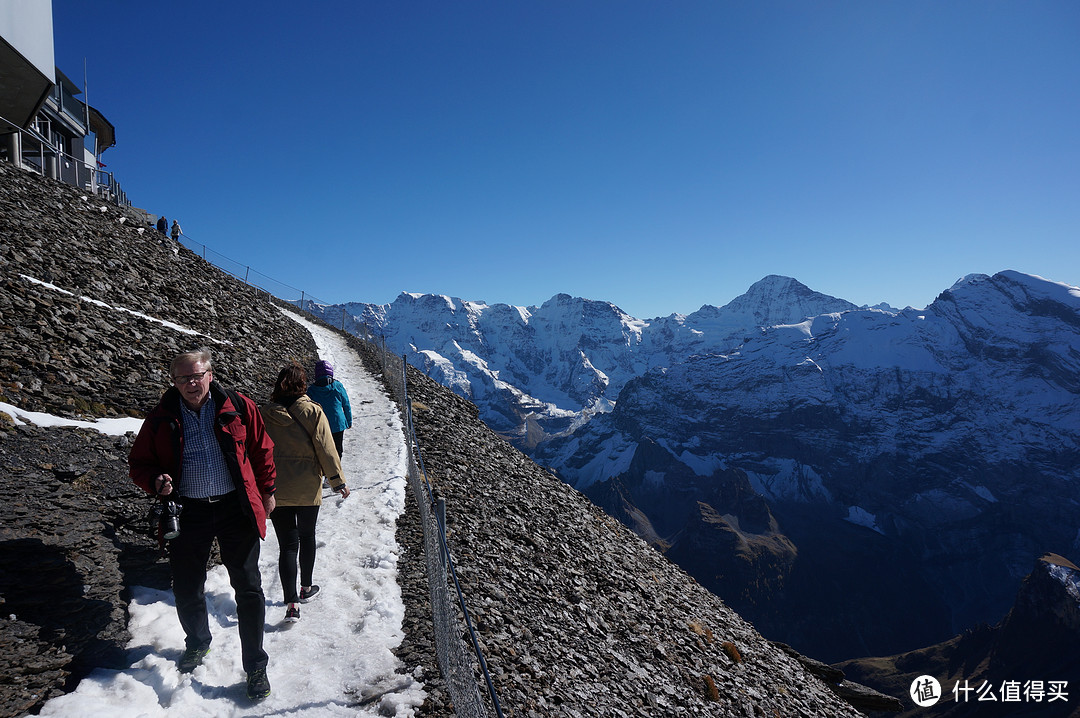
(207, 448)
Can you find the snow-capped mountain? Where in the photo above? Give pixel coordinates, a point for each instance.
(539, 372)
(1001, 351)
(533, 371)
(916, 460)
(799, 455)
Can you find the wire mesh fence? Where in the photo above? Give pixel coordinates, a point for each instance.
(458, 668)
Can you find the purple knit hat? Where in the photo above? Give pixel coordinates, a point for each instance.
(323, 368)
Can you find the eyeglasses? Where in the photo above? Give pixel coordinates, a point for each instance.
(188, 378)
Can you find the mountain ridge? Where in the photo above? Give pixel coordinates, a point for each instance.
(556, 365)
(896, 422)
(902, 424)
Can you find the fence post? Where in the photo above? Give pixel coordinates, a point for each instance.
(440, 514)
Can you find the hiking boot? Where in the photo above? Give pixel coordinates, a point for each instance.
(191, 659)
(258, 685)
(308, 594)
(292, 614)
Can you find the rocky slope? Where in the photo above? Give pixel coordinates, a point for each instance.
(87, 303)
(577, 617)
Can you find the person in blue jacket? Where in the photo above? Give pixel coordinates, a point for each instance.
(330, 394)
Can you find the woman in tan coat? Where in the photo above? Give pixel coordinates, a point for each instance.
(304, 453)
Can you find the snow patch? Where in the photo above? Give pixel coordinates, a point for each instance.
(140, 315)
(802, 328)
(983, 493)
(611, 458)
(452, 377)
(702, 465)
(861, 517)
(1068, 578)
(111, 427)
(788, 479)
(654, 479)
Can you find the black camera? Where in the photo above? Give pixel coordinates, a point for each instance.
(166, 519)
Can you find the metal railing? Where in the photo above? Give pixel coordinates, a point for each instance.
(245, 273)
(299, 298)
(72, 107)
(29, 150)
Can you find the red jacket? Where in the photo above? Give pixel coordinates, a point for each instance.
(248, 449)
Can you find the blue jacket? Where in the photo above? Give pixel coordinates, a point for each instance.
(335, 403)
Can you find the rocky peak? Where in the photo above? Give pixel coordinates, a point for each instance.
(777, 299)
(1045, 620)
(1052, 591)
(1036, 642)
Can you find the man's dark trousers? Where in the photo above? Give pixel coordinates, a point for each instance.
(189, 552)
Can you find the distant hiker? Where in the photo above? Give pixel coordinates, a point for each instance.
(331, 395)
(304, 454)
(162, 225)
(176, 231)
(207, 447)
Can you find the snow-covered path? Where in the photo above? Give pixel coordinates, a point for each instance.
(337, 660)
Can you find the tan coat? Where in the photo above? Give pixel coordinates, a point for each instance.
(303, 453)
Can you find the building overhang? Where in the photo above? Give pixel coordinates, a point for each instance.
(23, 89)
(102, 129)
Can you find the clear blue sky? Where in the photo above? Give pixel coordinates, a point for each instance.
(658, 155)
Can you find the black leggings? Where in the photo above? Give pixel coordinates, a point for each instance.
(295, 529)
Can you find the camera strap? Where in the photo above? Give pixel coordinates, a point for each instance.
(301, 425)
(154, 529)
